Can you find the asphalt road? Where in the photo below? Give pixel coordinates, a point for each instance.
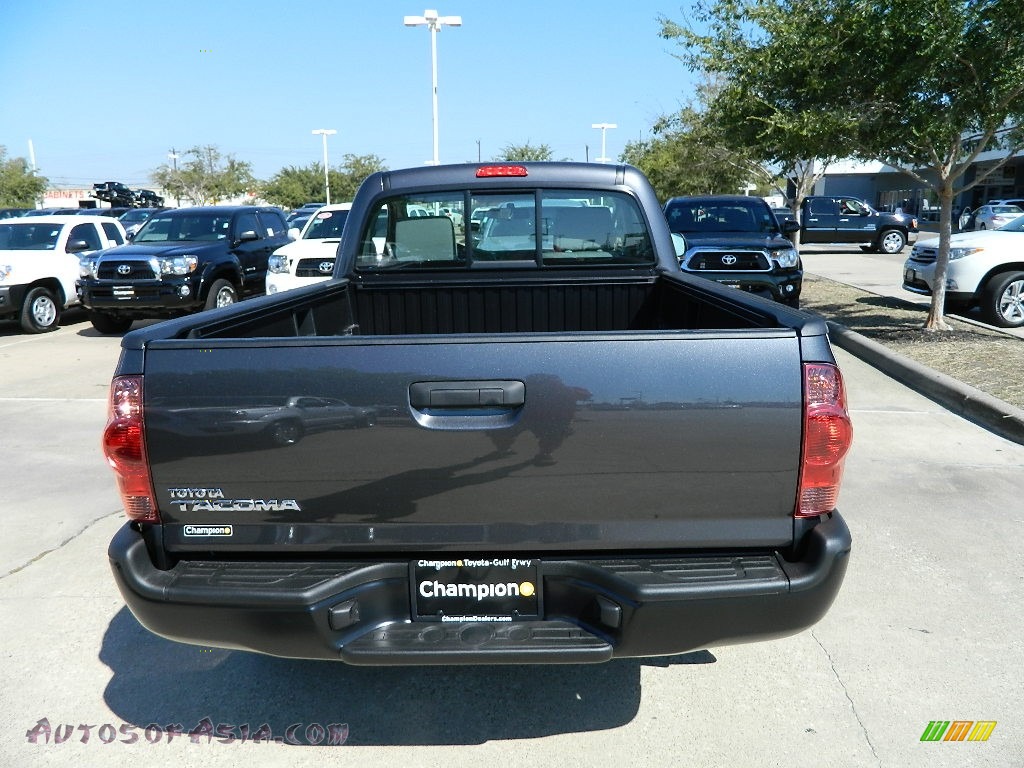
(927, 626)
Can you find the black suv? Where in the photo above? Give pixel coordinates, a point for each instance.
(736, 240)
(182, 261)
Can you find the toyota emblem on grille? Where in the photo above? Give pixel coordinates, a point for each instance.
(124, 269)
(729, 259)
(326, 267)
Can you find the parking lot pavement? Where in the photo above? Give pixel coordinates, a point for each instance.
(925, 628)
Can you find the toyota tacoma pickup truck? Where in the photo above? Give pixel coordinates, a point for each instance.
(736, 240)
(578, 453)
(181, 261)
(838, 219)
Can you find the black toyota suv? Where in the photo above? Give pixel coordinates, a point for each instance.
(736, 240)
(181, 261)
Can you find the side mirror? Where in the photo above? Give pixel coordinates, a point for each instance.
(293, 233)
(129, 236)
(790, 227)
(248, 236)
(680, 245)
(77, 246)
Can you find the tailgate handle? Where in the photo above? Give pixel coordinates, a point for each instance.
(467, 394)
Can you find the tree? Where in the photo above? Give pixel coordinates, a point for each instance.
(20, 186)
(512, 153)
(291, 187)
(206, 177)
(922, 85)
(690, 155)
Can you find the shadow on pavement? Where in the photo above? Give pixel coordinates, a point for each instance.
(158, 681)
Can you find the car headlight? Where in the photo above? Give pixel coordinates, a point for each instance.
(278, 264)
(87, 267)
(786, 258)
(5, 271)
(959, 253)
(179, 265)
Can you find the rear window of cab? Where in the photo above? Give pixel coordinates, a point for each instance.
(524, 228)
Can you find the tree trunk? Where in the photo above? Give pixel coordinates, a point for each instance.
(936, 315)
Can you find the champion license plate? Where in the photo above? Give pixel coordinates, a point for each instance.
(476, 588)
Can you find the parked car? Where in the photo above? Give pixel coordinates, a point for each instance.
(986, 270)
(736, 240)
(13, 213)
(842, 219)
(310, 259)
(783, 214)
(133, 218)
(39, 264)
(991, 216)
(181, 261)
(115, 212)
(52, 212)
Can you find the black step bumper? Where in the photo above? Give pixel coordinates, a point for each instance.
(595, 608)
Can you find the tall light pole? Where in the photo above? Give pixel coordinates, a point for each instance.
(172, 155)
(325, 132)
(604, 128)
(434, 22)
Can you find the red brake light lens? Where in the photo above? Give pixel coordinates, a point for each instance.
(828, 434)
(124, 446)
(491, 171)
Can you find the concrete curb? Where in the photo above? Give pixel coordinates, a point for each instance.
(983, 409)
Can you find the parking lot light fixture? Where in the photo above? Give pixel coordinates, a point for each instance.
(604, 129)
(431, 20)
(325, 132)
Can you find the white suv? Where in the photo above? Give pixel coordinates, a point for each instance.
(39, 264)
(310, 259)
(986, 269)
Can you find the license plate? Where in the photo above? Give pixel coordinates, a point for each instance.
(475, 589)
(123, 292)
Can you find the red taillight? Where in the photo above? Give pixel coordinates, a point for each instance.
(828, 434)
(124, 445)
(490, 171)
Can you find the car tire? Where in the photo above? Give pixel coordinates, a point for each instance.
(41, 311)
(285, 432)
(981, 226)
(1002, 302)
(222, 294)
(109, 324)
(891, 241)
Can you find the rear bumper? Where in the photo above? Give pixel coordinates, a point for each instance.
(595, 609)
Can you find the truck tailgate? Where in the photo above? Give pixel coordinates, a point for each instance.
(661, 441)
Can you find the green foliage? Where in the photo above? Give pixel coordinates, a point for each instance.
(291, 187)
(922, 85)
(20, 187)
(522, 153)
(687, 157)
(206, 177)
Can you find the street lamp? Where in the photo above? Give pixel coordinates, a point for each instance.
(604, 128)
(325, 132)
(434, 22)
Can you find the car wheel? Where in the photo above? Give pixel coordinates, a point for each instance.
(1003, 300)
(981, 226)
(105, 323)
(891, 241)
(41, 311)
(286, 432)
(222, 294)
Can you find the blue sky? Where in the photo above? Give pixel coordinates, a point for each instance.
(104, 90)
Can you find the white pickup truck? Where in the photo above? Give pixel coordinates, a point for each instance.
(310, 259)
(39, 264)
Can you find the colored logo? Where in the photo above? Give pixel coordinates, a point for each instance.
(958, 730)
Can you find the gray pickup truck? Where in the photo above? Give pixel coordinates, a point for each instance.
(578, 452)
